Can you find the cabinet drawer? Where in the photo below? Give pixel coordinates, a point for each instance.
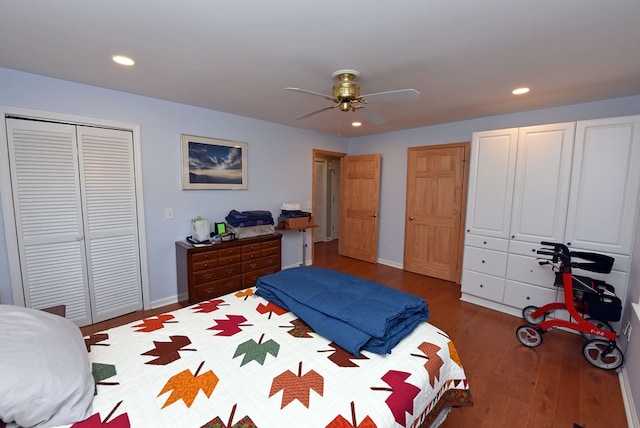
(201, 257)
(527, 269)
(481, 285)
(215, 288)
(208, 264)
(521, 295)
(479, 241)
(228, 270)
(485, 261)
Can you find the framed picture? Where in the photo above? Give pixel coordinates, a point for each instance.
(210, 163)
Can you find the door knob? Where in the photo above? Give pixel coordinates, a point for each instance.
(411, 218)
(375, 216)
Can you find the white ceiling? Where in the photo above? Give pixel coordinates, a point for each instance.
(464, 56)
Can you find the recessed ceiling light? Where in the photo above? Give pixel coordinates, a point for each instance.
(520, 91)
(123, 60)
(356, 124)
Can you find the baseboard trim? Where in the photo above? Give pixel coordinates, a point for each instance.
(627, 399)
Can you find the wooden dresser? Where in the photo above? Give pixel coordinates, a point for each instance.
(207, 272)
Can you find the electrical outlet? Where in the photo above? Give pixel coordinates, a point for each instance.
(168, 213)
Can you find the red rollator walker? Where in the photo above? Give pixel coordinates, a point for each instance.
(591, 304)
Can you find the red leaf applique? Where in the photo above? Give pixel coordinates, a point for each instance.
(402, 394)
(230, 326)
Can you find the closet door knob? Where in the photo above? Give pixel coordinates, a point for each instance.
(411, 218)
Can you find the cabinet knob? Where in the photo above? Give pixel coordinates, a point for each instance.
(229, 270)
(481, 285)
(253, 265)
(483, 261)
(207, 276)
(206, 256)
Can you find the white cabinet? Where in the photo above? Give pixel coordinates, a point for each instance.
(576, 183)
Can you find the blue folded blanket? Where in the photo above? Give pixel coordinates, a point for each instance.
(355, 313)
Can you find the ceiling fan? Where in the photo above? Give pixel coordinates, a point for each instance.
(346, 96)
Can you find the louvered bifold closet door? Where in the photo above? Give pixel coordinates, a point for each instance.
(48, 213)
(111, 226)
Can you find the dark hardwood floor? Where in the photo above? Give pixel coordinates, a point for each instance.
(512, 385)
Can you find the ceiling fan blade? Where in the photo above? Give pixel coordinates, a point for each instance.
(306, 91)
(311, 113)
(371, 115)
(399, 95)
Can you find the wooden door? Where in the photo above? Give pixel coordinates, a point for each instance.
(360, 199)
(436, 189)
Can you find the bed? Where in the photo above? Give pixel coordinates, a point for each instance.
(242, 361)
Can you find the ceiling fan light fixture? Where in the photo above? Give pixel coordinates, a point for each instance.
(356, 124)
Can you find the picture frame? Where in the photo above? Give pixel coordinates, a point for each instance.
(212, 163)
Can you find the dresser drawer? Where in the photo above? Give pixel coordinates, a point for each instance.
(207, 264)
(271, 250)
(251, 248)
(251, 278)
(201, 257)
(228, 260)
(481, 285)
(521, 295)
(231, 251)
(486, 242)
(271, 244)
(260, 263)
(251, 256)
(215, 288)
(202, 276)
(485, 261)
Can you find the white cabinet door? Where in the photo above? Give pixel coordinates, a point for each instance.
(491, 173)
(605, 182)
(541, 190)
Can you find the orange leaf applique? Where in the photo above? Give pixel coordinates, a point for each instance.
(154, 323)
(185, 386)
(208, 306)
(297, 386)
(271, 308)
(245, 293)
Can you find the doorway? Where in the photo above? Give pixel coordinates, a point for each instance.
(326, 195)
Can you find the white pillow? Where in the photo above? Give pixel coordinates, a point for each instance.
(45, 375)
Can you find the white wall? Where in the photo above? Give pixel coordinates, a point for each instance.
(280, 164)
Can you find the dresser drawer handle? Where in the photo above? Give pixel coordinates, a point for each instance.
(206, 265)
(253, 265)
(209, 290)
(207, 276)
(206, 256)
(230, 284)
(229, 270)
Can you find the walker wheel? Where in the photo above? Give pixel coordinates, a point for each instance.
(529, 336)
(603, 354)
(602, 325)
(526, 314)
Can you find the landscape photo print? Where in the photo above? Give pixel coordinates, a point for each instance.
(210, 163)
